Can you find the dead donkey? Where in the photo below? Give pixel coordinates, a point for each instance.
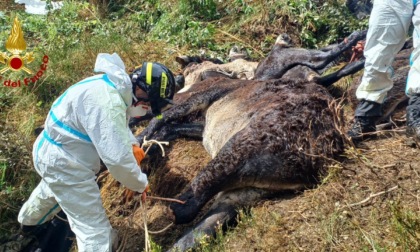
(265, 136)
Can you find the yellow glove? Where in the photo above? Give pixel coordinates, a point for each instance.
(138, 154)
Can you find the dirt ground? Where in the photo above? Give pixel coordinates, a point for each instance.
(167, 177)
(10, 5)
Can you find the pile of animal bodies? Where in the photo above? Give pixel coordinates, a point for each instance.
(265, 136)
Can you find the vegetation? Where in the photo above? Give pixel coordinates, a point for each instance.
(157, 30)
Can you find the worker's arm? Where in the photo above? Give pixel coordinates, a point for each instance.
(133, 139)
(106, 126)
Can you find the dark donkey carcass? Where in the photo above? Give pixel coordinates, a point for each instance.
(264, 136)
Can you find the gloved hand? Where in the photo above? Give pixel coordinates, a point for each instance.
(144, 194)
(138, 154)
(128, 195)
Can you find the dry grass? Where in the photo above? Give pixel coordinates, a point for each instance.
(184, 159)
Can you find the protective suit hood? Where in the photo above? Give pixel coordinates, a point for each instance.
(114, 67)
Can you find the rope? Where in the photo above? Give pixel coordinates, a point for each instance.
(149, 143)
(147, 245)
(60, 218)
(132, 223)
(155, 232)
(166, 199)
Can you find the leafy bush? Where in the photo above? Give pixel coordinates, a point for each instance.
(182, 31)
(205, 10)
(322, 22)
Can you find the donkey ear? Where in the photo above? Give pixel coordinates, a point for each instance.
(182, 60)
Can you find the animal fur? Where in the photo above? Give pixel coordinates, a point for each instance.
(237, 69)
(284, 135)
(283, 58)
(264, 136)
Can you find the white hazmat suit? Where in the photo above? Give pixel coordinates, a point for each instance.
(388, 26)
(85, 124)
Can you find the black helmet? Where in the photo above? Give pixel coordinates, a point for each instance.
(157, 81)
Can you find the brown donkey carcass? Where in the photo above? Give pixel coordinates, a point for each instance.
(272, 134)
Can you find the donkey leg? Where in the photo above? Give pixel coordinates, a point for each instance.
(221, 214)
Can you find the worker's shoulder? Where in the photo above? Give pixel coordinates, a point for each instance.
(99, 93)
(95, 81)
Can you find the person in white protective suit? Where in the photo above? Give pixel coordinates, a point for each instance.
(388, 26)
(88, 122)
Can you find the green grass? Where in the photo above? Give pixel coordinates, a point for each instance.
(406, 226)
(3, 167)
